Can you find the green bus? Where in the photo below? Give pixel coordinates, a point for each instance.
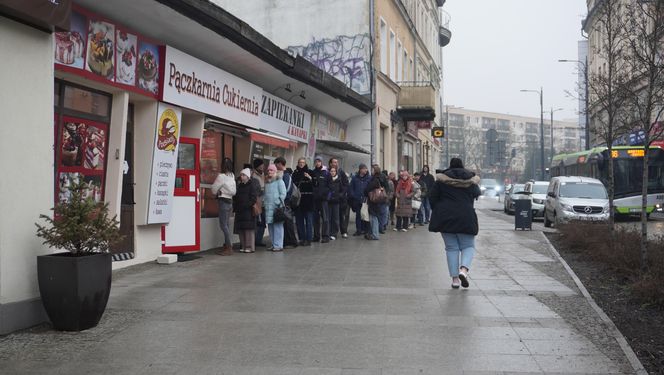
(627, 174)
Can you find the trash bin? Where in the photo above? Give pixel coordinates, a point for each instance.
(523, 214)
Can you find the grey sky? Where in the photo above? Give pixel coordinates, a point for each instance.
(501, 46)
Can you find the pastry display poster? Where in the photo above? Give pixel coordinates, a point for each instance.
(164, 164)
(82, 152)
(102, 50)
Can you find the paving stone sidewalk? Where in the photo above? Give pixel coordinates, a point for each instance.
(349, 307)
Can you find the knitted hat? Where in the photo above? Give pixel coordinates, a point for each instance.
(363, 166)
(246, 172)
(258, 163)
(272, 167)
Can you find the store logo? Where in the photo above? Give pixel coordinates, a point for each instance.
(167, 136)
(588, 209)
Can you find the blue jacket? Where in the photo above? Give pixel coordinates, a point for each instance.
(356, 191)
(275, 195)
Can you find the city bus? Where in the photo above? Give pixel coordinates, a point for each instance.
(628, 174)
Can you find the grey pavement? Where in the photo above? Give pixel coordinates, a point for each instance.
(349, 307)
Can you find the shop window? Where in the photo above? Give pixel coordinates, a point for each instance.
(214, 147)
(86, 101)
(187, 156)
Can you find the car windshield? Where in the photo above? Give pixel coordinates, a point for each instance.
(582, 190)
(540, 189)
(518, 188)
(489, 182)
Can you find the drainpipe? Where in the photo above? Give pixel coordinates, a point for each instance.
(372, 34)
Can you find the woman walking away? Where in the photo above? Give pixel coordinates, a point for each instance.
(274, 196)
(454, 217)
(243, 202)
(337, 197)
(224, 189)
(404, 206)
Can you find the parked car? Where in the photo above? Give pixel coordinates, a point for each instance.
(490, 187)
(512, 193)
(537, 191)
(575, 198)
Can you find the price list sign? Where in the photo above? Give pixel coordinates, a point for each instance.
(164, 164)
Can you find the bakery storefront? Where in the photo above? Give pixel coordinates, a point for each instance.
(329, 139)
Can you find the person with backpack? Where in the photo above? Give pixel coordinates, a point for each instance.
(376, 200)
(337, 195)
(358, 184)
(404, 207)
(224, 189)
(290, 239)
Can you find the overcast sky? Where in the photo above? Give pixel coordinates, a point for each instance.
(501, 46)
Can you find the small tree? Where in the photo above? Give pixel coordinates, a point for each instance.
(79, 225)
(607, 92)
(646, 104)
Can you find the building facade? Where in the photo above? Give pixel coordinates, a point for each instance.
(389, 50)
(506, 146)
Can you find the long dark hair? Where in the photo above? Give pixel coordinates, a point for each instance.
(227, 166)
(456, 163)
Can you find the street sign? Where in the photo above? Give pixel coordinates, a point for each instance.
(438, 132)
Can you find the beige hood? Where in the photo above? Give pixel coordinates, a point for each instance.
(457, 183)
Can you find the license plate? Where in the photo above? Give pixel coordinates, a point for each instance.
(634, 210)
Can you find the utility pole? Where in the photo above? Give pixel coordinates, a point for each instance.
(552, 112)
(541, 95)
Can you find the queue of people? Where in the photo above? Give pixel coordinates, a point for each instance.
(312, 205)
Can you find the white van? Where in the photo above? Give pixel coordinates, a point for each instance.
(575, 198)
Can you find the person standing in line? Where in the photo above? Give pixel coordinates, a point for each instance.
(274, 196)
(427, 180)
(321, 204)
(452, 198)
(290, 240)
(378, 181)
(243, 202)
(420, 191)
(224, 189)
(344, 209)
(389, 191)
(392, 177)
(337, 196)
(404, 208)
(304, 213)
(358, 184)
(257, 174)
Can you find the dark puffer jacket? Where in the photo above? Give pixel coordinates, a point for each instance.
(306, 187)
(452, 199)
(244, 199)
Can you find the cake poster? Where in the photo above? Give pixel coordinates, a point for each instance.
(69, 47)
(101, 49)
(82, 145)
(148, 67)
(127, 56)
(93, 189)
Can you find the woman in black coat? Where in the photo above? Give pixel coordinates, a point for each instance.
(452, 198)
(337, 196)
(245, 222)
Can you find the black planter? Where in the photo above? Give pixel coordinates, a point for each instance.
(74, 289)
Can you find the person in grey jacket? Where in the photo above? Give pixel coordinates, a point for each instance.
(224, 189)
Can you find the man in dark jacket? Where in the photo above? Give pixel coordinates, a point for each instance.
(321, 197)
(304, 214)
(358, 184)
(290, 240)
(376, 210)
(344, 207)
(426, 180)
(452, 197)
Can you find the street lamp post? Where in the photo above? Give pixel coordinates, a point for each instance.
(541, 95)
(552, 111)
(584, 64)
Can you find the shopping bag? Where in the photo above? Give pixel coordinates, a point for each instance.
(364, 212)
(416, 204)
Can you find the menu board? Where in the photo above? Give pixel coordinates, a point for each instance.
(102, 50)
(164, 164)
(82, 150)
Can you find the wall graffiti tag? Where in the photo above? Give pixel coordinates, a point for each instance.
(346, 58)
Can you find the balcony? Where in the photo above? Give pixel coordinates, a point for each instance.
(417, 101)
(444, 33)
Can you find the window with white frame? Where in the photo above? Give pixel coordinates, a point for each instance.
(383, 46)
(397, 61)
(405, 66)
(392, 49)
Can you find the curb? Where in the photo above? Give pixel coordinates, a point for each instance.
(624, 345)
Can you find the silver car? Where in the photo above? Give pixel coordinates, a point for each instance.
(511, 194)
(537, 191)
(575, 198)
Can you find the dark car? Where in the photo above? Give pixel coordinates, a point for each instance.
(511, 195)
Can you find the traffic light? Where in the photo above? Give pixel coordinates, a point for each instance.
(438, 132)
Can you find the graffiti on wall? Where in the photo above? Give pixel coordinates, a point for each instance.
(347, 58)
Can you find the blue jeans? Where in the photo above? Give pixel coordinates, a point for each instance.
(426, 206)
(305, 225)
(375, 225)
(459, 245)
(384, 215)
(277, 235)
(225, 210)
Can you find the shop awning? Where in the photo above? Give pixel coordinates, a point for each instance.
(269, 139)
(348, 146)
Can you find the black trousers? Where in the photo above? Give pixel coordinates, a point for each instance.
(344, 213)
(290, 239)
(321, 220)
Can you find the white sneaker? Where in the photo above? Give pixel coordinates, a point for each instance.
(463, 276)
(395, 229)
(456, 283)
(332, 238)
(404, 230)
(345, 235)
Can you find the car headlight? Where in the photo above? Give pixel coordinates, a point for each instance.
(538, 201)
(606, 209)
(497, 189)
(482, 188)
(567, 207)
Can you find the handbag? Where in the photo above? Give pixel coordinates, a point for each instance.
(378, 196)
(416, 204)
(257, 208)
(279, 215)
(364, 212)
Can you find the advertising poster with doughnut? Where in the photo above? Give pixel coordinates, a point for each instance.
(164, 164)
